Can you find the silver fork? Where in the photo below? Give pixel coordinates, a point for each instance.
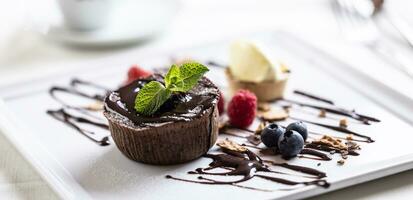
(356, 23)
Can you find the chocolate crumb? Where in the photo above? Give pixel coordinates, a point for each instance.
(322, 113)
(343, 123)
(349, 137)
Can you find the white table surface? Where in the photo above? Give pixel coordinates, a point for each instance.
(24, 54)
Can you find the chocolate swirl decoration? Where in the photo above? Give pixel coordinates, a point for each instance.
(312, 96)
(338, 129)
(315, 155)
(336, 110)
(247, 165)
(71, 120)
(74, 120)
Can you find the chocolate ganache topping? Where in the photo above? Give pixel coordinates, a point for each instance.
(180, 107)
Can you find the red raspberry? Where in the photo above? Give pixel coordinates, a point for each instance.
(242, 109)
(221, 103)
(136, 72)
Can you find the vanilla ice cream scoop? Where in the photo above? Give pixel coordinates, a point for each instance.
(250, 62)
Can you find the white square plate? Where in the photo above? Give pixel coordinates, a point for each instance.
(79, 169)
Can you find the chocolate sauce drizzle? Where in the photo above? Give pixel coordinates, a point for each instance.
(71, 120)
(74, 90)
(338, 128)
(75, 82)
(247, 165)
(330, 149)
(312, 96)
(318, 155)
(238, 164)
(298, 168)
(341, 138)
(339, 111)
(315, 155)
(53, 90)
(250, 135)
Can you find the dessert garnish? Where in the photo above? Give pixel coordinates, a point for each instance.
(252, 62)
(253, 68)
(271, 134)
(273, 114)
(136, 72)
(260, 127)
(178, 79)
(343, 123)
(263, 106)
(315, 147)
(333, 145)
(221, 103)
(289, 142)
(300, 127)
(232, 146)
(242, 109)
(322, 113)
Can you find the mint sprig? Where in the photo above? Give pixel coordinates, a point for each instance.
(178, 79)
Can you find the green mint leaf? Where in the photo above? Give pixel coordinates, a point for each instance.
(189, 74)
(172, 76)
(151, 97)
(178, 79)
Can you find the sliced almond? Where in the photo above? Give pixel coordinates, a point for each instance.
(260, 127)
(274, 115)
(264, 107)
(230, 145)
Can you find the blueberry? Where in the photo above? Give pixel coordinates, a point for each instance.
(300, 127)
(270, 134)
(290, 144)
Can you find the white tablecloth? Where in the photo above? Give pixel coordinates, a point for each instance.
(197, 22)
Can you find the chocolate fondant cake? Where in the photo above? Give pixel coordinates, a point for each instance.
(184, 128)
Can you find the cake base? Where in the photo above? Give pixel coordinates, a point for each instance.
(167, 143)
(265, 91)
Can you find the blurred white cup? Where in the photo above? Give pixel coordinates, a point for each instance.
(85, 15)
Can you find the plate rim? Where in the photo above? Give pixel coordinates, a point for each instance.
(10, 126)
